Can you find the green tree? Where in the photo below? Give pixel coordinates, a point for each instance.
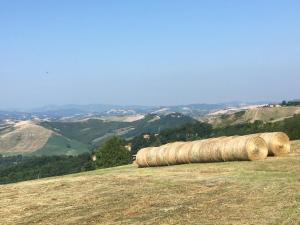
(112, 153)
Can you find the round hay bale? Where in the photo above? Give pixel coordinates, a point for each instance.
(278, 143)
(151, 156)
(141, 160)
(188, 147)
(196, 146)
(182, 150)
(161, 156)
(243, 148)
(225, 148)
(171, 153)
(256, 148)
(250, 147)
(214, 151)
(203, 152)
(206, 151)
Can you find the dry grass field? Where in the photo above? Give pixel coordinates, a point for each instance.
(260, 192)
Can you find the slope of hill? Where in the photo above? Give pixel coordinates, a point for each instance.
(265, 114)
(59, 145)
(23, 136)
(28, 137)
(94, 131)
(71, 138)
(258, 192)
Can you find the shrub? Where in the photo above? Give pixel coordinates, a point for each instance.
(112, 153)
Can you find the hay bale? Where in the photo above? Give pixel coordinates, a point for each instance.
(278, 143)
(233, 148)
(244, 148)
(256, 149)
(141, 158)
(183, 152)
(151, 156)
(195, 149)
(161, 156)
(202, 150)
(213, 153)
(171, 153)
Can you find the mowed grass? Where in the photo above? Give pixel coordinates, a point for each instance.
(260, 192)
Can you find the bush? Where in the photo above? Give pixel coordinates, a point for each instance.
(112, 153)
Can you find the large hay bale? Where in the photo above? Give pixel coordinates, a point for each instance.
(171, 153)
(183, 152)
(244, 148)
(161, 156)
(203, 150)
(278, 143)
(195, 149)
(248, 147)
(151, 156)
(141, 160)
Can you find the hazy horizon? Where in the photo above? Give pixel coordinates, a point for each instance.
(148, 53)
(69, 105)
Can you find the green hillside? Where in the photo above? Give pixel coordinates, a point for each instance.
(73, 138)
(94, 131)
(59, 145)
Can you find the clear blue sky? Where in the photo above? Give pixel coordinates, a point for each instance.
(162, 52)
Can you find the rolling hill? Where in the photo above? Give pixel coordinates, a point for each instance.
(72, 138)
(94, 131)
(28, 137)
(265, 114)
(257, 192)
(24, 136)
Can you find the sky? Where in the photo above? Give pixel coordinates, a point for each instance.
(158, 52)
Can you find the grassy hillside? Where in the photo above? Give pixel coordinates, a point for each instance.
(265, 114)
(29, 138)
(59, 145)
(71, 138)
(259, 192)
(23, 137)
(94, 131)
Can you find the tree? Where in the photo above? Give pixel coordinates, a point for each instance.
(112, 153)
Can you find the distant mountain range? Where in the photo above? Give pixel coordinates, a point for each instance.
(54, 113)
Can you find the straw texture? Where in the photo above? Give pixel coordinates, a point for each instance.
(233, 148)
(278, 143)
